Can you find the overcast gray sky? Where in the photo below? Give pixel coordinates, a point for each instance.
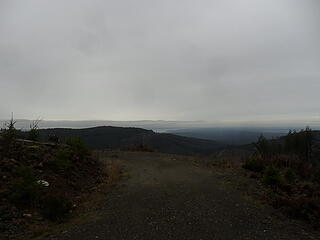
(210, 60)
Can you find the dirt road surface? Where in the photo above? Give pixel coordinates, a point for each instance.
(171, 198)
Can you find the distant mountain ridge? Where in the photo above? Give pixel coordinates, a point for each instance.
(157, 125)
(120, 137)
(231, 136)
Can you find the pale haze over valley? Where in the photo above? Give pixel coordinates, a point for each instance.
(217, 61)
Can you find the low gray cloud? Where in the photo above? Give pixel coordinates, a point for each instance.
(210, 60)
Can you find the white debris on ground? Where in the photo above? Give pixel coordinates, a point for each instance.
(43, 183)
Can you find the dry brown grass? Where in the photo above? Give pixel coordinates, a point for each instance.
(113, 168)
(114, 171)
(228, 162)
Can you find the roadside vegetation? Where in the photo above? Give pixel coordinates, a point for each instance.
(41, 183)
(138, 148)
(290, 168)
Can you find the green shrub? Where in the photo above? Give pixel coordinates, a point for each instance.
(56, 208)
(8, 135)
(289, 175)
(62, 160)
(272, 177)
(254, 164)
(10, 132)
(78, 146)
(33, 135)
(25, 191)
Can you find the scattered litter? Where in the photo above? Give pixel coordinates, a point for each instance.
(43, 183)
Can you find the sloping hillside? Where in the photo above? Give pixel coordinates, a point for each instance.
(42, 184)
(118, 137)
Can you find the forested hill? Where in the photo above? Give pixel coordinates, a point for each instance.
(119, 137)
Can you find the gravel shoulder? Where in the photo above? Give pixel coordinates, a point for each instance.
(169, 197)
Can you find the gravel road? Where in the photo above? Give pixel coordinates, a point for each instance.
(170, 198)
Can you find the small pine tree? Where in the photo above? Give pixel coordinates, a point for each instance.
(262, 146)
(34, 130)
(9, 133)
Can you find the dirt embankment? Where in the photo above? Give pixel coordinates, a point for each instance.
(41, 184)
